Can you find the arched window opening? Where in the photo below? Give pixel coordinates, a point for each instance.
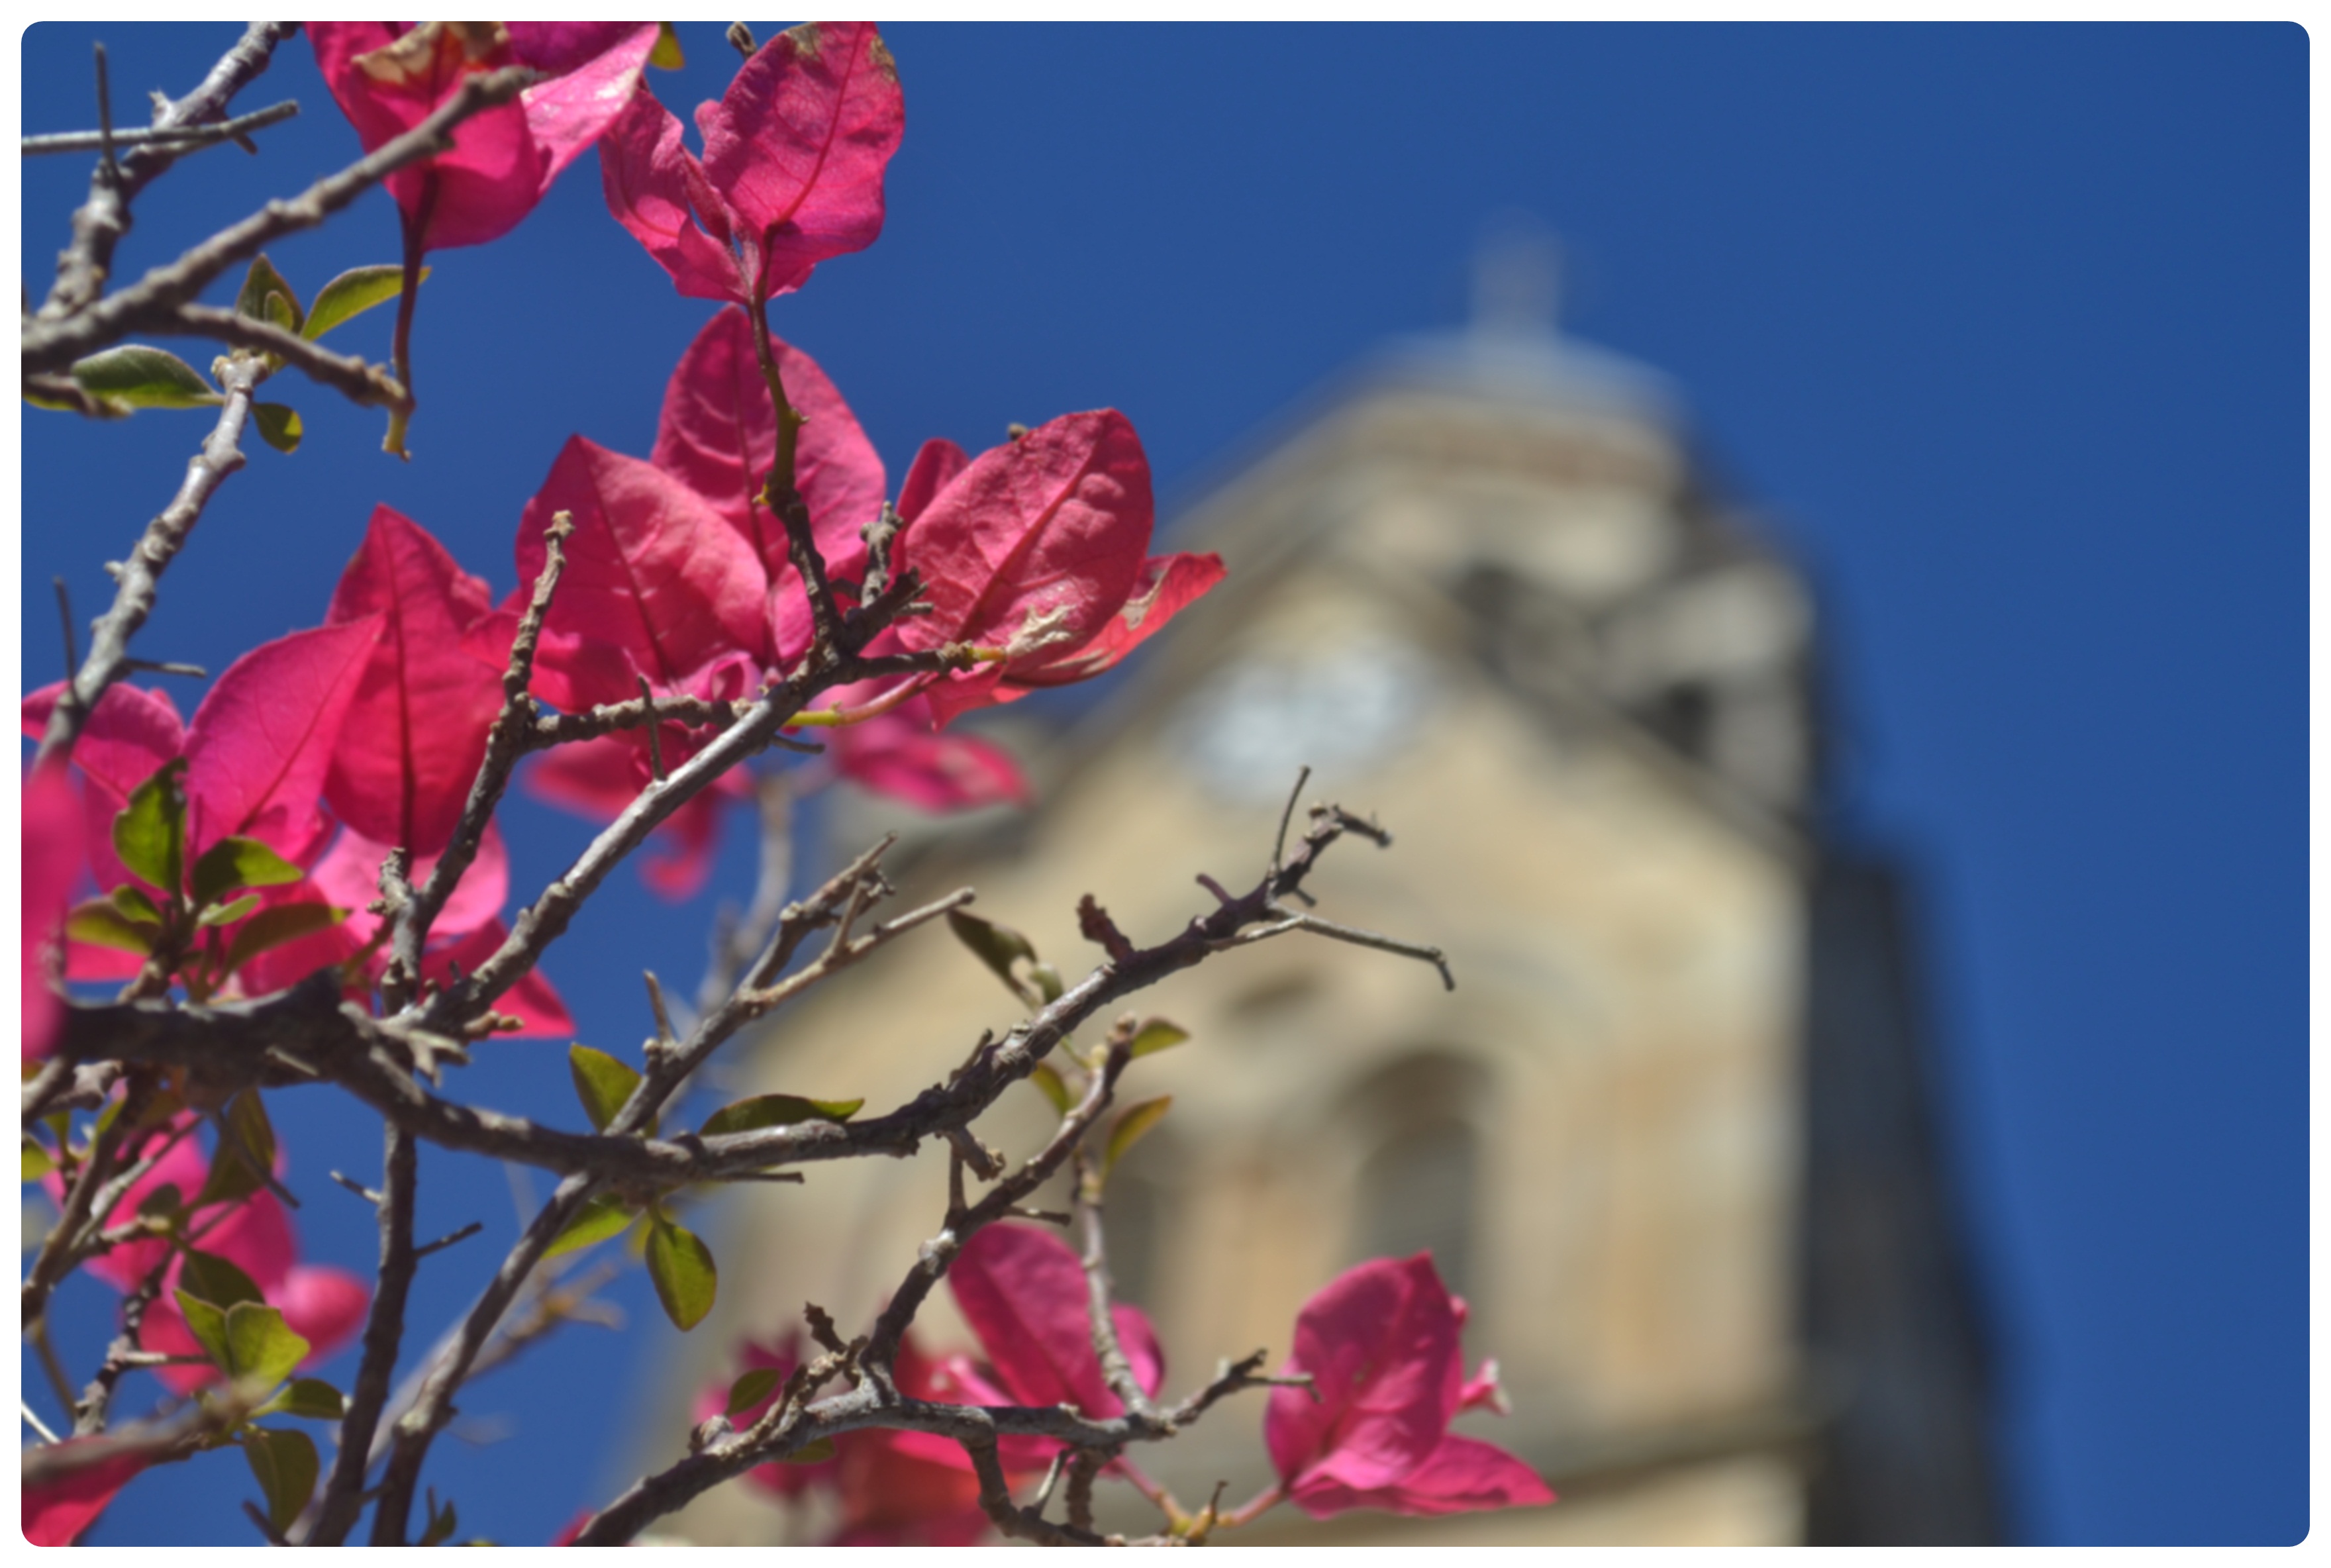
(1418, 1187)
(1417, 1194)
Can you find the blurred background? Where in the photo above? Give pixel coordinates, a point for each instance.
(1797, 530)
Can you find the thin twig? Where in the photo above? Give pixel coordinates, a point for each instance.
(54, 343)
(103, 219)
(173, 139)
(351, 378)
(335, 1511)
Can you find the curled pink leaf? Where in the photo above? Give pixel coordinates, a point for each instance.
(1380, 1343)
(793, 159)
(935, 467)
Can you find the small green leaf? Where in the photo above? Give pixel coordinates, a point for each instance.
(778, 1110)
(233, 863)
(753, 1388)
(1156, 1035)
(150, 833)
(821, 1450)
(208, 1326)
(1136, 1120)
(212, 1278)
(666, 54)
(283, 1462)
(162, 1202)
(440, 1525)
(310, 1398)
(230, 1179)
(1047, 981)
(604, 1216)
(601, 1082)
(134, 905)
(261, 281)
(102, 925)
(228, 914)
(138, 375)
(38, 1161)
(262, 1345)
(272, 927)
(681, 1268)
(1054, 1089)
(353, 293)
(997, 946)
(279, 424)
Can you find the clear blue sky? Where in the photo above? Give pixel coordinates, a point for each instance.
(2004, 327)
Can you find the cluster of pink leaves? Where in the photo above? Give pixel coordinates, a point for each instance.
(1380, 1344)
(323, 1305)
(375, 721)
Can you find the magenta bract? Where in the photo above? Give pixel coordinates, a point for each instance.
(389, 76)
(792, 171)
(1381, 1344)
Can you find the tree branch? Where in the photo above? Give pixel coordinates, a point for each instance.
(53, 343)
(102, 221)
(140, 576)
(336, 1511)
(351, 378)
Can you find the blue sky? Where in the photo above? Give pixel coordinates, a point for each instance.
(2003, 328)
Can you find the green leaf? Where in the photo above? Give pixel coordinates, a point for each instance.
(162, 1201)
(1156, 1035)
(283, 1461)
(1136, 1120)
(604, 1216)
(1056, 1088)
(821, 1450)
(272, 927)
(230, 1179)
(228, 914)
(233, 863)
(262, 1345)
(753, 1388)
(211, 1278)
(279, 424)
(208, 1326)
(1047, 981)
(601, 1082)
(310, 1398)
(138, 375)
(997, 946)
(778, 1110)
(353, 293)
(134, 905)
(150, 833)
(261, 281)
(38, 1161)
(102, 925)
(666, 54)
(681, 1268)
(440, 1525)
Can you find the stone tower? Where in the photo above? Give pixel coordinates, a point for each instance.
(1668, 1135)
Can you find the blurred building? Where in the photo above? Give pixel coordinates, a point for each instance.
(1668, 1137)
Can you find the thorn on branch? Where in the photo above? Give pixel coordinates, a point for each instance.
(439, 1245)
(740, 39)
(162, 666)
(358, 1188)
(64, 613)
(1093, 921)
